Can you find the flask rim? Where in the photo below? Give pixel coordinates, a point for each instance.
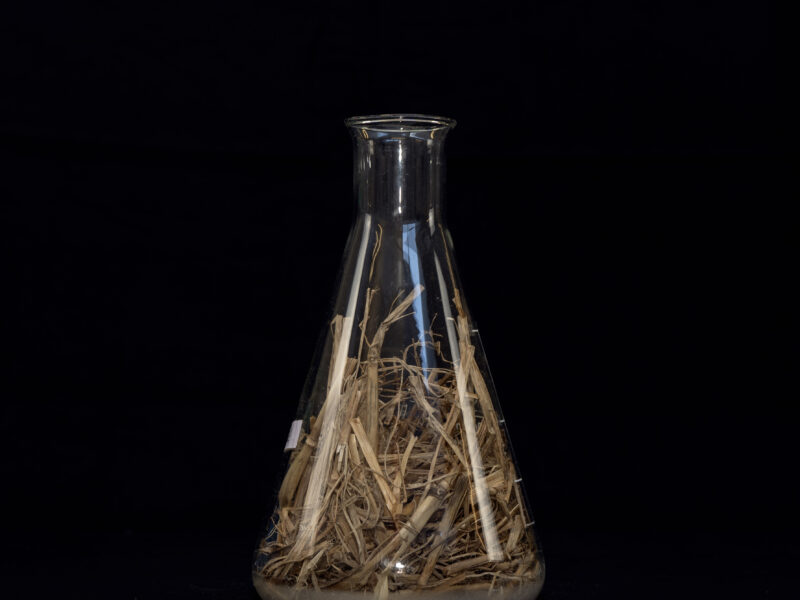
(399, 122)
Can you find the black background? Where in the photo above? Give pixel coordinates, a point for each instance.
(176, 196)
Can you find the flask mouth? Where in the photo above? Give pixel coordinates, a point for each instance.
(400, 122)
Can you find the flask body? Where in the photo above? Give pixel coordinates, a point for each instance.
(400, 477)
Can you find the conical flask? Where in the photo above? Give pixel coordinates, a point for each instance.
(399, 474)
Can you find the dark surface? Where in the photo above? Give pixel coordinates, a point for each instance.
(210, 566)
(176, 197)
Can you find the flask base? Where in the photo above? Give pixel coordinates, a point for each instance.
(526, 591)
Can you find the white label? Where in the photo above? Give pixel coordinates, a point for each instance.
(294, 435)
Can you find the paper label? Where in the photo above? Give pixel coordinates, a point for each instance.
(294, 435)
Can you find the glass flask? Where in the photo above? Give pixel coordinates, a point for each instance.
(399, 475)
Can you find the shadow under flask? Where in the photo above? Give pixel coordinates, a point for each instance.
(399, 476)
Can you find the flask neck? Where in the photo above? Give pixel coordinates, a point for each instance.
(399, 167)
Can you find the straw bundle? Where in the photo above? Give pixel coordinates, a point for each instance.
(403, 481)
